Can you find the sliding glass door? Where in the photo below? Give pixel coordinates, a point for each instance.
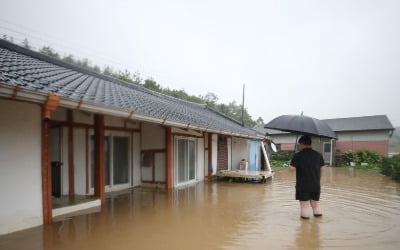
(117, 160)
(185, 160)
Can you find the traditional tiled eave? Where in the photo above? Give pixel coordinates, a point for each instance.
(21, 94)
(30, 76)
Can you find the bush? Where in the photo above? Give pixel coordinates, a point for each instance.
(341, 159)
(279, 163)
(282, 156)
(391, 167)
(372, 158)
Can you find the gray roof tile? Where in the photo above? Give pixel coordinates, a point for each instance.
(376, 122)
(28, 69)
(362, 123)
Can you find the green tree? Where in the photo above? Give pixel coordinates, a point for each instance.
(47, 50)
(108, 71)
(84, 63)
(25, 43)
(96, 69)
(69, 59)
(153, 85)
(211, 98)
(124, 76)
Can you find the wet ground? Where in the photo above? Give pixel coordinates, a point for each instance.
(361, 210)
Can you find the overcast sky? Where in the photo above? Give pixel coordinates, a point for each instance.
(329, 59)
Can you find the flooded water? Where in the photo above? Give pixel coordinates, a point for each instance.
(361, 210)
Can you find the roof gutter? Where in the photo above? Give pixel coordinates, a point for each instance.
(16, 93)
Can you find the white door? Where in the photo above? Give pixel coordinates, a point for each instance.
(326, 151)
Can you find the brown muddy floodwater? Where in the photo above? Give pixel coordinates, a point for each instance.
(361, 211)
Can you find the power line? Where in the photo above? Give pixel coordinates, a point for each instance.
(59, 43)
(47, 43)
(81, 50)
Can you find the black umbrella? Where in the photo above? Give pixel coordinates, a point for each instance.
(301, 124)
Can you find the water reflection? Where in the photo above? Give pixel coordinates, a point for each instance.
(307, 236)
(360, 212)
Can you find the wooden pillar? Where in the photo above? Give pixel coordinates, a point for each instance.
(169, 159)
(99, 158)
(71, 177)
(209, 156)
(46, 172)
(48, 107)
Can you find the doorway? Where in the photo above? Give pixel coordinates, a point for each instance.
(117, 161)
(254, 149)
(56, 161)
(185, 164)
(326, 149)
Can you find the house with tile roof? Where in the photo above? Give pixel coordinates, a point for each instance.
(354, 133)
(66, 131)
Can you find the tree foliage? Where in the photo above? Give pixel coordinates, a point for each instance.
(49, 51)
(25, 43)
(391, 167)
(260, 121)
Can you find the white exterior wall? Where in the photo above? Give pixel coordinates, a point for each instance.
(201, 164)
(20, 166)
(240, 150)
(187, 132)
(214, 153)
(284, 138)
(64, 160)
(153, 136)
(113, 121)
(84, 117)
(363, 136)
(80, 161)
(229, 142)
(342, 136)
(136, 160)
(160, 167)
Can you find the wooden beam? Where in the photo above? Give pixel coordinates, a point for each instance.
(99, 158)
(46, 170)
(209, 156)
(169, 158)
(71, 177)
(162, 150)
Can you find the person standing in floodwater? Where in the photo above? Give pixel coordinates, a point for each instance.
(308, 165)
